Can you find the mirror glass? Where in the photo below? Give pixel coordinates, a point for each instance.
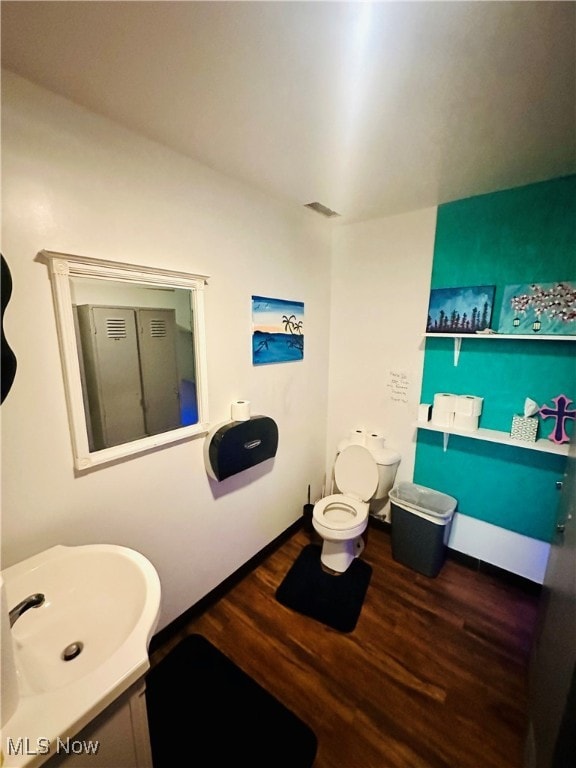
(132, 343)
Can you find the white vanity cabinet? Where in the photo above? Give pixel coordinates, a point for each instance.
(117, 738)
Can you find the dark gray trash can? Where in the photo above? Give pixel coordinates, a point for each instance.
(421, 521)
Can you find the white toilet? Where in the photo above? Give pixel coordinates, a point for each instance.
(341, 518)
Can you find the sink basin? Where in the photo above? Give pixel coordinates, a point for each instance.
(84, 645)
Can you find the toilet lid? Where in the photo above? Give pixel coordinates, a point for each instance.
(356, 472)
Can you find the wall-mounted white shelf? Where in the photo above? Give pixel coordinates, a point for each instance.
(515, 336)
(494, 436)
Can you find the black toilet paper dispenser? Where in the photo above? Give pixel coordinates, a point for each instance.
(238, 445)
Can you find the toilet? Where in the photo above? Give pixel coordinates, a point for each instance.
(361, 474)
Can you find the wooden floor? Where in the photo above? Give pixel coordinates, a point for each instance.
(434, 674)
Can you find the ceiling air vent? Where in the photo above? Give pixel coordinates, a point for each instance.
(319, 208)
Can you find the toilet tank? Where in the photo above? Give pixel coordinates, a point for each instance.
(387, 461)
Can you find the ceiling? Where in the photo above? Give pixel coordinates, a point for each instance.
(370, 108)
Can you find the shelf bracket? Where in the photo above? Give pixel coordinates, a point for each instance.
(457, 346)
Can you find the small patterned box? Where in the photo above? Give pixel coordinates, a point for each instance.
(524, 428)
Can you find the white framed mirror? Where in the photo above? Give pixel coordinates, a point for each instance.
(133, 350)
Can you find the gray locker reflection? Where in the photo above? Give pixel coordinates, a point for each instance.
(159, 369)
(130, 372)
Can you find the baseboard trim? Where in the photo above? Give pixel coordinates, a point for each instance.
(161, 637)
(527, 585)
(475, 564)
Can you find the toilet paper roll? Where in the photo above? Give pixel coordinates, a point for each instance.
(9, 680)
(444, 402)
(469, 405)
(375, 441)
(465, 422)
(358, 436)
(241, 410)
(442, 418)
(424, 413)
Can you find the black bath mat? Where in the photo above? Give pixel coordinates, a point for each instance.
(332, 600)
(203, 710)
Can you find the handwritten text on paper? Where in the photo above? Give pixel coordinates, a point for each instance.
(398, 386)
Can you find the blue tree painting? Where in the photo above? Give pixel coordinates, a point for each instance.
(277, 330)
(460, 310)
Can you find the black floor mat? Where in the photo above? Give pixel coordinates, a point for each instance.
(332, 600)
(203, 710)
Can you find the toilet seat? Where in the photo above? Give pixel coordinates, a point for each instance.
(356, 475)
(339, 512)
(342, 518)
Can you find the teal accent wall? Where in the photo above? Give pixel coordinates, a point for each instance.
(521, 235)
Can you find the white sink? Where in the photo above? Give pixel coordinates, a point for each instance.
(102, 599)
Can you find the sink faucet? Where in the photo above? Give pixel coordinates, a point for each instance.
(32, 601)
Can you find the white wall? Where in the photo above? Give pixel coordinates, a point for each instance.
(380, 289)
(76, 183)
(506, 549)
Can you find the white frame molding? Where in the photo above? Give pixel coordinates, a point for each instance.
(63, 267)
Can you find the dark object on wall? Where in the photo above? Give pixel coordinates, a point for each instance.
(239, 445)
(198, 700)
(8, 356)
(332, 600)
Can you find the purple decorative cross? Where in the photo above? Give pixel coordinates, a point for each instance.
(561, 414)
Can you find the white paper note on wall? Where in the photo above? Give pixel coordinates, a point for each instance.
(398, 386)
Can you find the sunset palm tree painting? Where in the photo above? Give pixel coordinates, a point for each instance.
(277, 330)
(460, 310)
